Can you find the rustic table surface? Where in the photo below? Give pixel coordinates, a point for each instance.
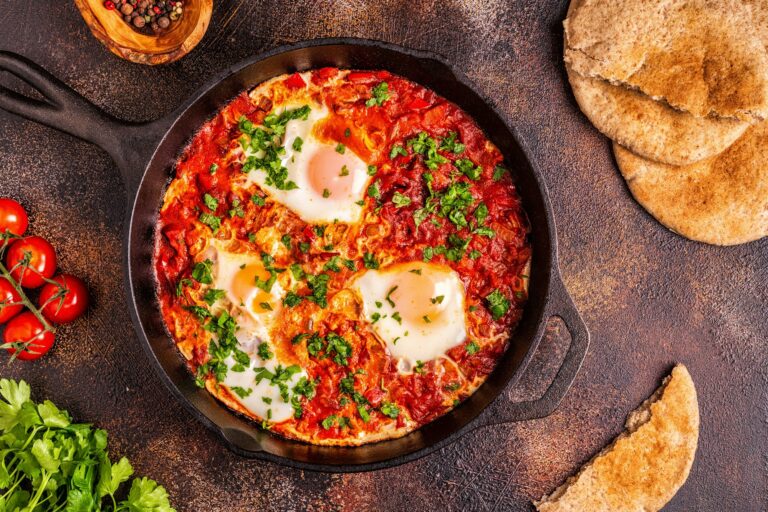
(650, 297)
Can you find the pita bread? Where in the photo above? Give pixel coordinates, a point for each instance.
(700, 56)
(722, 200)
(650, 128)
(646, 465)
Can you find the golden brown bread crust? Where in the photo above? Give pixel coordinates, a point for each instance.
(722, 200)
(650, 128)
(700, 56)
(646, 465)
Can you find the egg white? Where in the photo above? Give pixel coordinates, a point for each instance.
(309, 205)
(412, 341)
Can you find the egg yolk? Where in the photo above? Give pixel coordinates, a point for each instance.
(245, 290)
(330, 173)
(417, 297)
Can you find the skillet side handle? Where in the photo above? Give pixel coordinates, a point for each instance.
(66, 110)
(562, 306)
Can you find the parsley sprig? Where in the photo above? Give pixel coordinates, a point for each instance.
(50, 463)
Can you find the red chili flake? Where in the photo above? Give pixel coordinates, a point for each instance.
(109, 5)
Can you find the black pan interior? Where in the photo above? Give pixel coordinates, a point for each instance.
(242, 435)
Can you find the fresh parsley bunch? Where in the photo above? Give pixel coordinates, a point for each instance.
(48, 463)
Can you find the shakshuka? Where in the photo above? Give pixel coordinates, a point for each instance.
(341, 256)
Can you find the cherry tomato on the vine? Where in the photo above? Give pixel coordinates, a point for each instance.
(27, 331)
(64, 303)
(41, 263)
(10, 301)
(13, 217)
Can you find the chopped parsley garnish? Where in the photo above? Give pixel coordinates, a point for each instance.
(181, 284)
(498, 304)
(396, 316)
(372, 170)
(200, 312)
(318, 285)
(437, 300)
(340, 346)
(363, 412)
(304, 247)
(329, 421)
(427, 254)
(374, 190)
(426, 146)
(451, 143)
(379, 94)
(347, 132)
(241, 392)
(319, 230)
(264, 352)
(211, 202)
(213, 168)
(258, 200)
(237, 209)
(297, 272)
(292, 299)
(498, 172)
(390, 409)
(397, 149)
(286, 240)
(211, 221)
(350, 264)
(370, 262)
(375, 317)
(481, 213)
(472, 348)
(332, 264)
(469, 169)
(212, 295)
(389, 295)
(426, 319)
(265, 306)
(267, 141)
(297, 143)
(326, 193)
(202, 272)
(340, 148)
(474, 254)
(344, 171)
(400, 200)
(419, 367)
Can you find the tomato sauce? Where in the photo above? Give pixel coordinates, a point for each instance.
(210, 164)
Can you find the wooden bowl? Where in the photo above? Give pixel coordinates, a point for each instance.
(122, 40)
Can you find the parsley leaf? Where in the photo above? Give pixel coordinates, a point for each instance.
(369, 261)
(498, 304)
(390, 409)
(379, 94)
(211, 221)
(202, 272)
(400, 200)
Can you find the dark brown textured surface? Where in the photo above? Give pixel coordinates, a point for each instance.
(649, 297)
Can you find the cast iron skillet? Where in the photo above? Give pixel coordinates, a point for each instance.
(145, 155)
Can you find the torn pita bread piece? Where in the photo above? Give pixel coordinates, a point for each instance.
(722, 200)
(646, 465)
(704, 57)
(652, 129)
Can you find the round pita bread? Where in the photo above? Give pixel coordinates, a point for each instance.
(651, 128)
(722, 200)
(700, 56)
(646, 465)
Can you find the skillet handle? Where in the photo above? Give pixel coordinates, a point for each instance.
(66, 110)
(561, 305)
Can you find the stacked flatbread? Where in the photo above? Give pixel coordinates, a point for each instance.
(681, 87)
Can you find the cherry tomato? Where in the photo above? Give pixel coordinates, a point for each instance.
(13, 218)
(27, 329)
(9, 299)
(65, 308)
(42, 261)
